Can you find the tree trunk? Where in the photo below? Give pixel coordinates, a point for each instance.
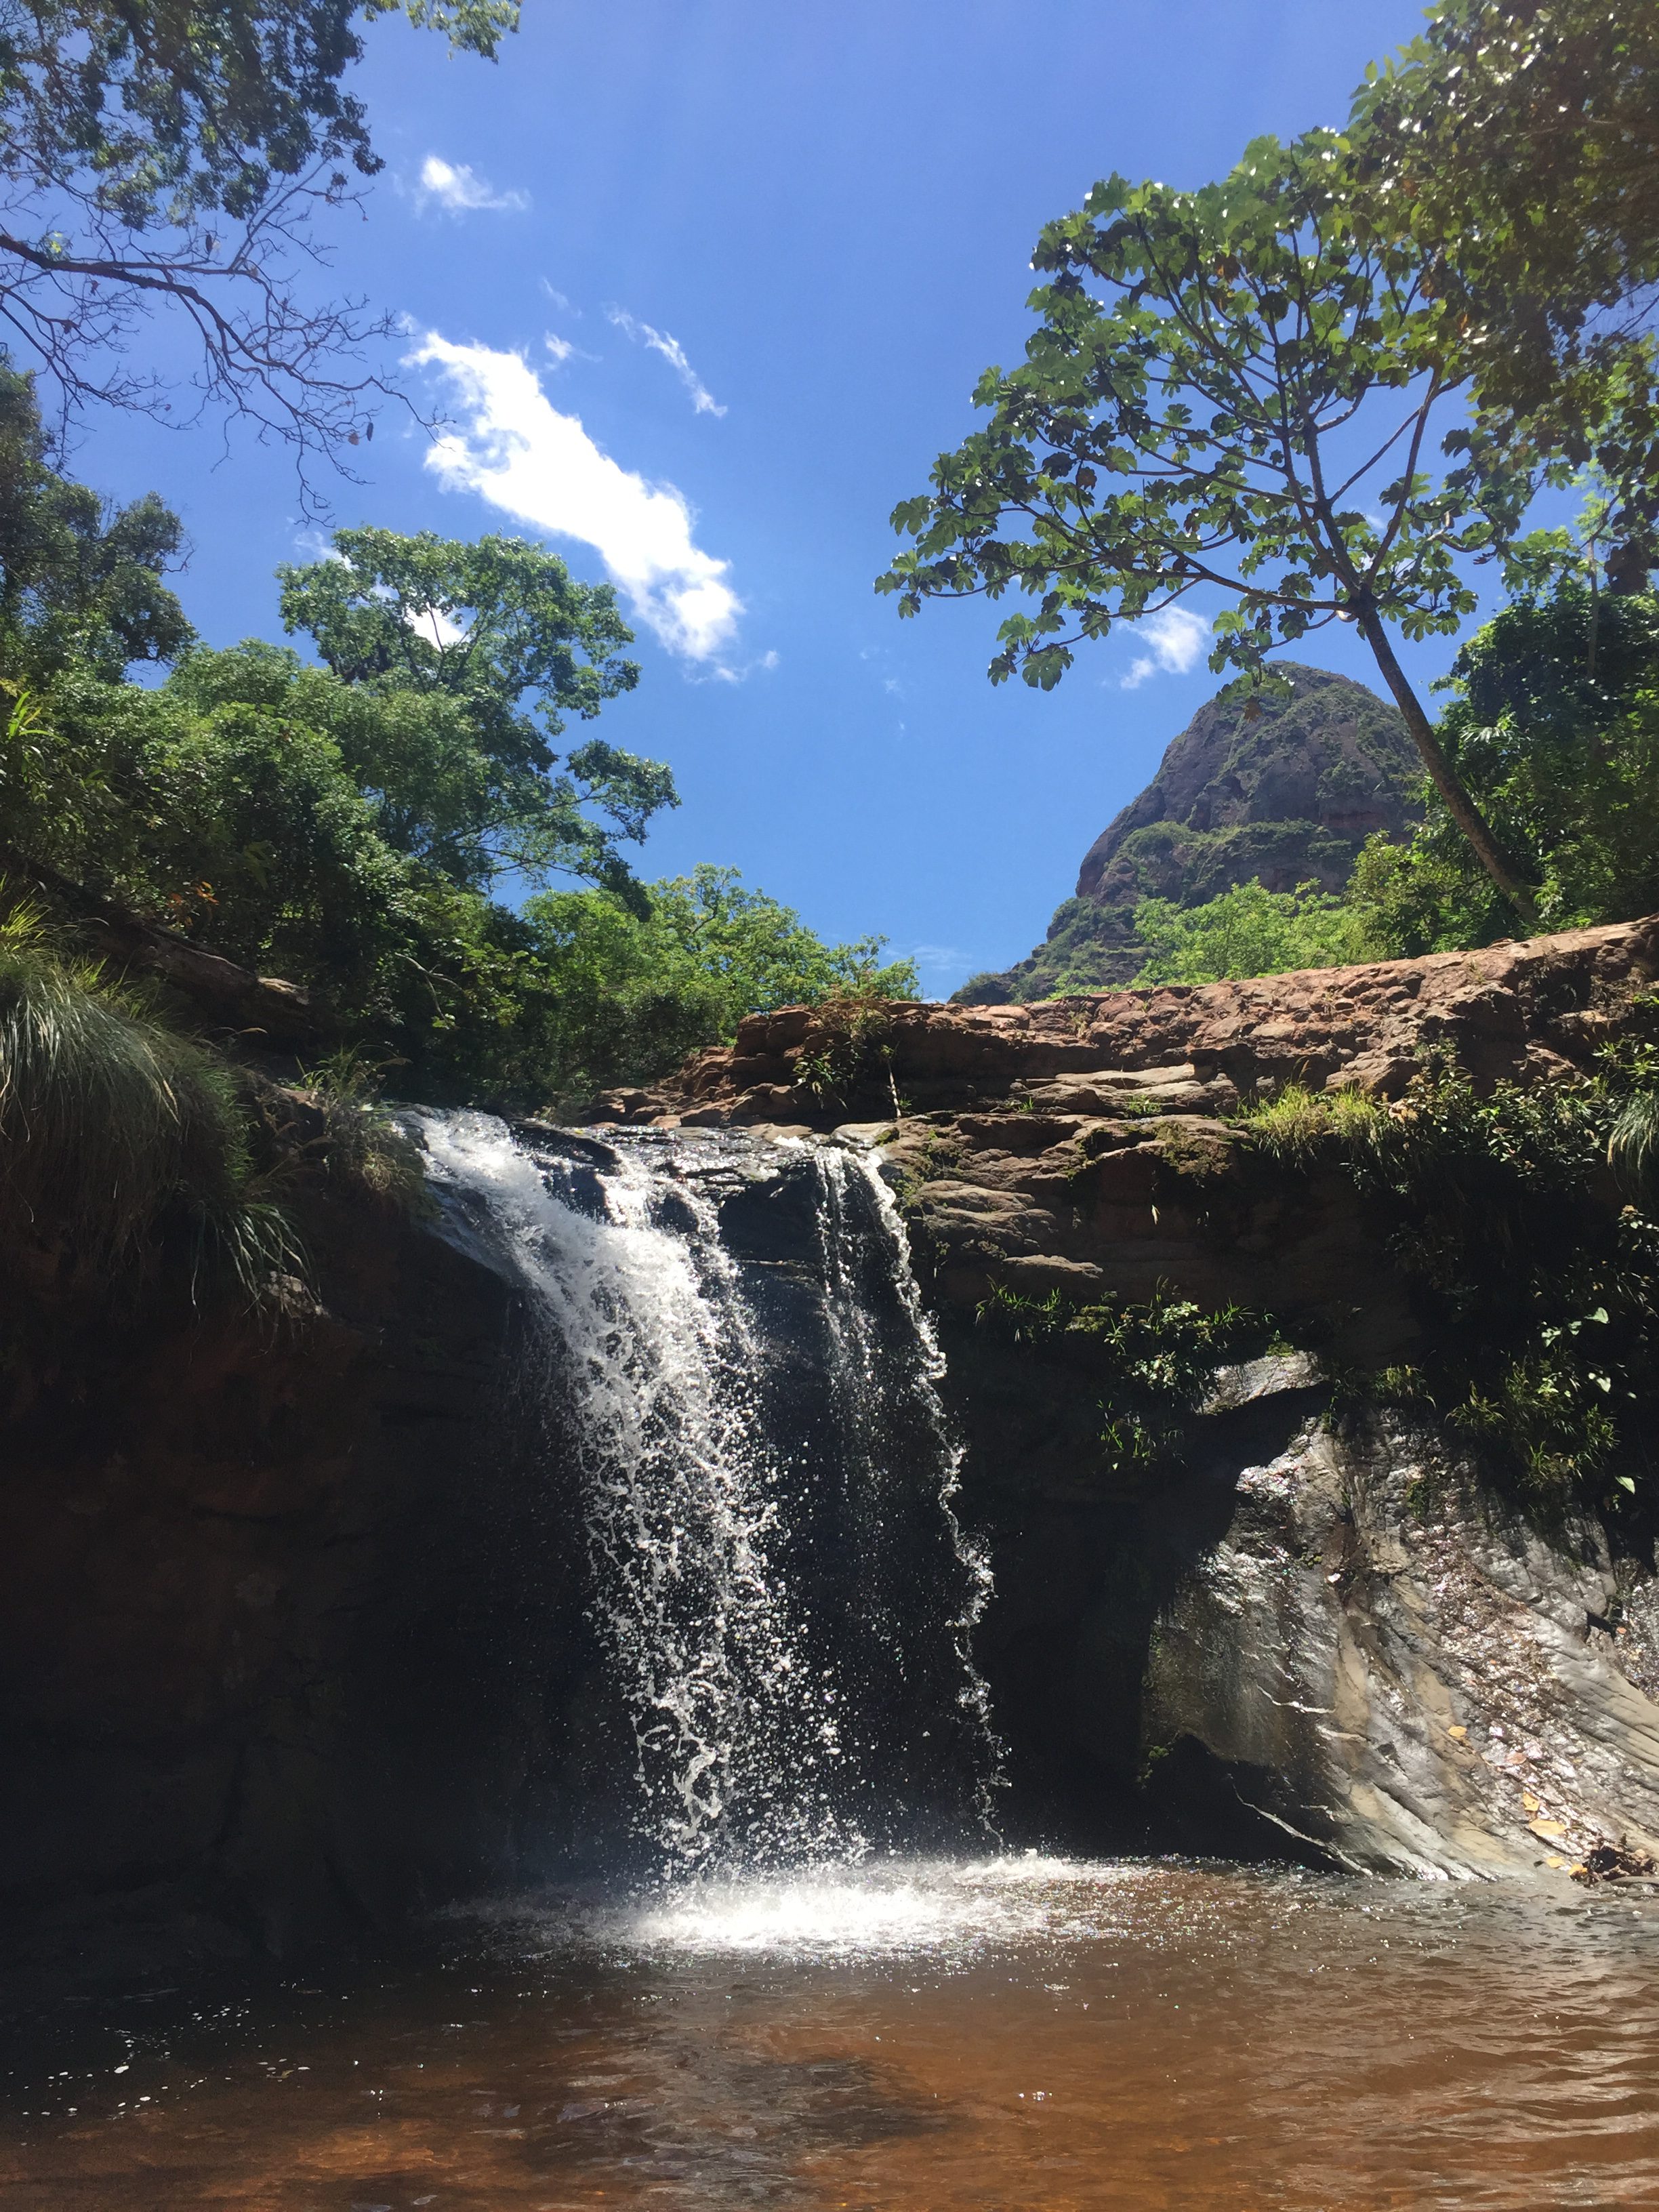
(1444, 777)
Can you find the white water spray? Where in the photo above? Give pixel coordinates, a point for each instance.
(772, 1599)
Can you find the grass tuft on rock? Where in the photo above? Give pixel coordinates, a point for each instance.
(117, 1131)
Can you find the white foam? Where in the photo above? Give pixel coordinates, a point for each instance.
(882, 1908)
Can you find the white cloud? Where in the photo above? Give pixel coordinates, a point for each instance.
(434, 624)
(561, 348)
(703, 399)
(518, 453)
(1176, 636)
(462, 191)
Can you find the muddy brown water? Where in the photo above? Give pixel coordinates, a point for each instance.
(1022, 2035)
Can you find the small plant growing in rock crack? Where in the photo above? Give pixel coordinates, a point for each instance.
(852, 1048)
(1193, 1153)
(360, 1145)
(1153, 1358)
(940, 1157)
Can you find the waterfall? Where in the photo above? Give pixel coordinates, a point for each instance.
(731, 1349)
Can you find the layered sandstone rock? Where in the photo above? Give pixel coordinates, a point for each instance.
(1519, 1010)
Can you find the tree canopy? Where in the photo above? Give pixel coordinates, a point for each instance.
(1517, 141)
(462, 661)
(79, 580)
(1553, 721)
(1229, 391)
(175, 154)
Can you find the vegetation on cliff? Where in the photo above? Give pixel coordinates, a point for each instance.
(122, 1140)
(1553, 721)
(1279, 792)
(1524, 1222)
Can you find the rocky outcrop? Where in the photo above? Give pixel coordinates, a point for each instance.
(1379, 1660)
(1321, 1634)
(1537, 1008)
(1283, 790)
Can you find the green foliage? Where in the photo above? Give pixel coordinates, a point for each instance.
(849, 1052)
(1554, 726)
(1247, 931)
(1167, 428)
(79, 581)
(1154, 1359)
(175, 154)
(116, 1132)
(442, 644)
(201, 107)
(638, 993)
(1301, 1126)
(1519, 140)
(360, 1143)
(1207, 366)
(1537, 1292)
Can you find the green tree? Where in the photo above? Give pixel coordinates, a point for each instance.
(175, 154)
(1518, 140)
(637, 992)
(1554, 723)
(80, 582)
(1229, 391)
(453, 666)
(1247, 931)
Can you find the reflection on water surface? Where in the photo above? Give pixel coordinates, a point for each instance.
(1025, 2035)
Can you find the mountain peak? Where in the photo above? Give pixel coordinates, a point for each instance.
(1286, 794)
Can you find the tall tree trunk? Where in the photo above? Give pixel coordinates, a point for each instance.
(1444, 777)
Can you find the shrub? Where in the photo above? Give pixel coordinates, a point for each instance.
(116, 1132)
(1153, 1359)
(1537, 1291)
(1247, 931)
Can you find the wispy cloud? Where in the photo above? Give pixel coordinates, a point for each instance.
(1175, 638)
(726, 674)
(561, 348)
(673, 353)
(462, 191)
(517, 450)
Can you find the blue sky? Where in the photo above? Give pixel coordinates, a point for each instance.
(727, 272)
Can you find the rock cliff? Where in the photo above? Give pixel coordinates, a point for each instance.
(1286, 794)
(262, 1671)
(1322, 1631)
(294, 1635)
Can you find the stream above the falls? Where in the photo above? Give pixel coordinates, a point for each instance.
(1029, 2034)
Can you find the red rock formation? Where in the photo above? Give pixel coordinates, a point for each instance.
(1519, 1011)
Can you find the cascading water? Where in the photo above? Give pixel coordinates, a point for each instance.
(733, 1351)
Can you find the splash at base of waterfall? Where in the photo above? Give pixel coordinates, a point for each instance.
(732, 1351)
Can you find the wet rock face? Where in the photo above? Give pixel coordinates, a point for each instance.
(259, 1595)
(1384, 1664)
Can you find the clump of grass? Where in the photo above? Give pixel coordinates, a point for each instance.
(360, 1145)
(1299, 1126)
(847, 1050)
(1633, 1143)
(117, 1131)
